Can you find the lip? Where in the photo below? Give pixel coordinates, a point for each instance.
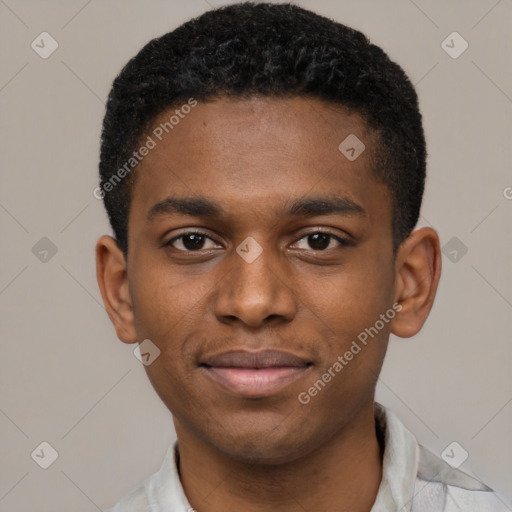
(255, 374)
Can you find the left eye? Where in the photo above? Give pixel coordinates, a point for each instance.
(321, 241)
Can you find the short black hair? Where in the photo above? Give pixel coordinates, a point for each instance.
(274, 50)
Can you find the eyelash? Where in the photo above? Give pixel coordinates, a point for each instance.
(344, 242)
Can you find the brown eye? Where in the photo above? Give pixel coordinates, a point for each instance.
(321, 241)
(190, 242)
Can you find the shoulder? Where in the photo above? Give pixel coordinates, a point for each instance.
(134, 501)
(459, 499)
(160, 492)
(458, 491)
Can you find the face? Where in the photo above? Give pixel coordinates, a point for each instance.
(258, 254)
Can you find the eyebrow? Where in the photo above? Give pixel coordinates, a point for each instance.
(305, 207)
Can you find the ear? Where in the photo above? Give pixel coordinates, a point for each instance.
(113, 282)
(417, 270)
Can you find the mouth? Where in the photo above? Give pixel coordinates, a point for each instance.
(255, 374)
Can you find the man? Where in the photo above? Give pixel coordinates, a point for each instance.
(263, 169)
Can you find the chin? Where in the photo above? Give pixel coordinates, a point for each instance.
(270, 445)
(260, 452)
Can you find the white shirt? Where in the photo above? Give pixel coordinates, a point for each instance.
(413, 480)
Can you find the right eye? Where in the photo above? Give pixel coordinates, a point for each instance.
(191, 241)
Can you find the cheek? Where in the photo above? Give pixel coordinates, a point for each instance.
(167, 312)
(355, 341)
(351, 301)
(349, 308)
(165, 302)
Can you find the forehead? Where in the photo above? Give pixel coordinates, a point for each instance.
(254, 154)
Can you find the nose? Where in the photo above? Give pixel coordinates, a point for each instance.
(255, 292)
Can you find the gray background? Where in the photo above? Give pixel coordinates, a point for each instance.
(67, 380)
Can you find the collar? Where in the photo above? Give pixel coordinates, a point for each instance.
(399, 463)
(165, 492)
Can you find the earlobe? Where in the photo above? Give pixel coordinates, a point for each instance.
(418, 269)
(113, 283)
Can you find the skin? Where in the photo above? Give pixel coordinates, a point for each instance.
(254, 157)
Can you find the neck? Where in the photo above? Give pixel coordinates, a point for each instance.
(341, 475)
